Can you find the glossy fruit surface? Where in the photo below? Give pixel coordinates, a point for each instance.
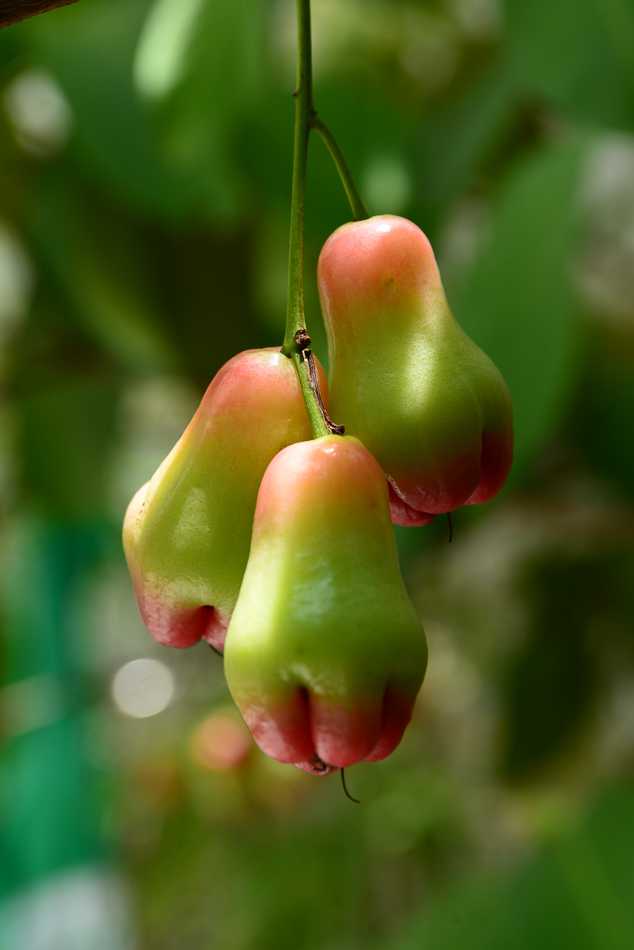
(187, 532)
(325, 653)
(404, 377)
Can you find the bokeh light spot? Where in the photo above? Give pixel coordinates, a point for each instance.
(39, 112)
(387, 184)
(143, 688)
(221, 743)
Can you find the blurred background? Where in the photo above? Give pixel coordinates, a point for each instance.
(145, 171)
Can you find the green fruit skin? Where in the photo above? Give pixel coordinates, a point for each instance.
(404, 377)
(325, 653)
(187, 532)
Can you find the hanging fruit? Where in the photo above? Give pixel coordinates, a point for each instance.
(325, 653)
(187, 531)
(405, 378)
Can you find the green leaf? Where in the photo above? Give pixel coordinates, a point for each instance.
(205, 52)
(579, 54)
(200, 63)
(551, 683)
(456, 138)
(102, 265)
(89, 49)
(603, 417)
(66, 428)
(574, 895)
(517, 303)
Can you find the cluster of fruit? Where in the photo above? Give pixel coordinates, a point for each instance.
(279, 549)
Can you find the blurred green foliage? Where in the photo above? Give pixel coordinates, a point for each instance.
(145, 161)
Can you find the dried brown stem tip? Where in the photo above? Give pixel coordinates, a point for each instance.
(302, 339)
(303, 342)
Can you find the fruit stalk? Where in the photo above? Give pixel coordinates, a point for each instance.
(306, 119)
(359, 210)
(295, 320)
(303, 108)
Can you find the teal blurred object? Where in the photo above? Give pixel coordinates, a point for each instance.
(51, 797)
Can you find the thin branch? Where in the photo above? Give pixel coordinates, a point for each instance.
(12, 11)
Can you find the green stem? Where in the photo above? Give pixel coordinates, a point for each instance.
(359, 210)
(317, 422)
(295, 319)
(305, 120)
(303, 108)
